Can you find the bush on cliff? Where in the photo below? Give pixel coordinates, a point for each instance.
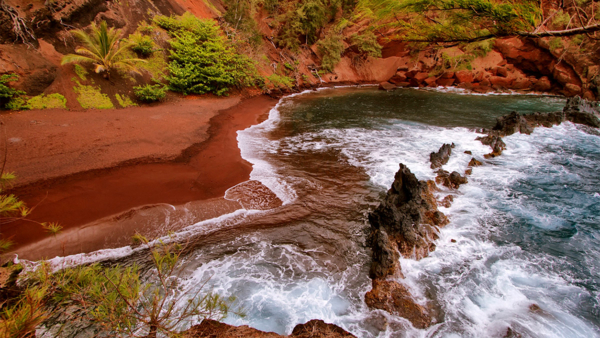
(331, 48)
(202, 61)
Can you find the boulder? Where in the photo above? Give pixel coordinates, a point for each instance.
(317, 328)
(446, 202)
(430, 81)
(500, 71)
(572, 90)
(495, 142)
(420, 77)
(451, 180)
(442, 156)
(521, 83)
(474, 163)
(399, 77)
(386, 86)
(500, 82)
(512, 123)
(445, 82)
(447, 75)
(543, 84)
(312, 329)
(395, 298)
(578, 110)
(464, 76)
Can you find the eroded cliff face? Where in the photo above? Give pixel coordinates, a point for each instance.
(516, 64)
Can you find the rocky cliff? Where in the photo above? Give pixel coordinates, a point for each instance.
(34, 48)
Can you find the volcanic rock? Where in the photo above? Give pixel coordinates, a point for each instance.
(395, 298)
(464, 76)
(474, 163)
(495, 142)
(386, 86)
(313, 329)
(319, 329)
(442, 156)
(578, 110)
(451, 180)
(406, 221)
(446, 202)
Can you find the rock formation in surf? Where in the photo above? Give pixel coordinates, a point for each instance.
(576, 110)
(442, 156)
(405, 223)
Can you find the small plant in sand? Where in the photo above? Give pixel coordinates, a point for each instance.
(103, 48)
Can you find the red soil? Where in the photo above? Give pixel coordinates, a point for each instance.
(203, 170)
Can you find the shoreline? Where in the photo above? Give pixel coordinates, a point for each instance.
(201, 172)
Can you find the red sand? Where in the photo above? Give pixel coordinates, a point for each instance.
(204, 170)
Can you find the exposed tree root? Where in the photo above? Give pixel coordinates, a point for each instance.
(20, 28)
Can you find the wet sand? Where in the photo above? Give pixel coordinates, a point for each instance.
(202, 171)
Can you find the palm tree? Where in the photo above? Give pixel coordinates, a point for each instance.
(103, 49)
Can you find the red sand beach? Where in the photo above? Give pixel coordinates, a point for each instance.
(87, 169)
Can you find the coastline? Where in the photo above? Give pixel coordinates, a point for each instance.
(107, 195)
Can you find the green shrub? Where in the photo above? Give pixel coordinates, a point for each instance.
(555, 43)
(367, 44)
(150, 93)
(202, 61)
(142, 44)
(7, 93)
(17, 103)
(47, 101)
(280, 81)
(331, 47)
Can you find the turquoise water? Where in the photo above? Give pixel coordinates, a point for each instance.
(521, 253)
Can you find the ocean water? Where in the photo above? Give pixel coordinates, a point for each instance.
(520, 257)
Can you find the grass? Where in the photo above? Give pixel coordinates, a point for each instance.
(90, 97)
(47, 101)
(81, 72)
(125, 101)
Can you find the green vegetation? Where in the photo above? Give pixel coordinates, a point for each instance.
(202, 61)
(47, 101)
(451, 20)
(240, 18)
(114, 299)
(555, 43)
(125, 101)
(81, 72)
(367, 44)
(7, 93)
(142, 44)
(150, 93)
(102, 48)
(331, 47)
(280, 81)
(91, 97)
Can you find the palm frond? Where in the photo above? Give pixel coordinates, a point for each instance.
(74, 58)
